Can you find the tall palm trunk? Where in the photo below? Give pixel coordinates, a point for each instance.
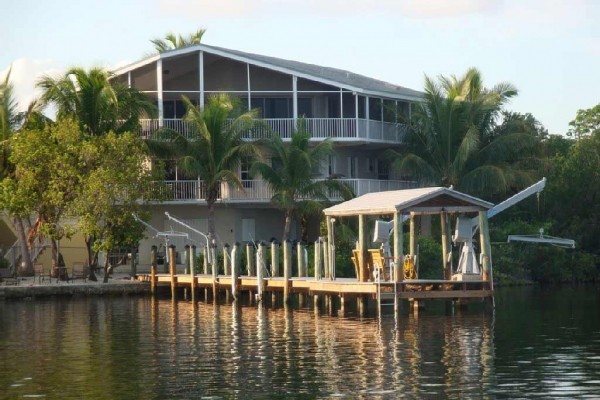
(211, 220)
(26, 267)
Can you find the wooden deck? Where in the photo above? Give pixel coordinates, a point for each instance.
(343, 287)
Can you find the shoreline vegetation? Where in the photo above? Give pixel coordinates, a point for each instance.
(88, 166)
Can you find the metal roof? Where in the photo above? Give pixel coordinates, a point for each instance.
(327, 75)
(430, 200)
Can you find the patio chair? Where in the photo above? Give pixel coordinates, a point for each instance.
(41, 273)
(79, 271)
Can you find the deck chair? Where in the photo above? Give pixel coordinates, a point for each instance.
(379, 263)
(41, 274)
(79, 271)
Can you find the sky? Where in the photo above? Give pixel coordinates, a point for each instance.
(548, 49)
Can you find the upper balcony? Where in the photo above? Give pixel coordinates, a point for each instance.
(258, 191)
(336, 129)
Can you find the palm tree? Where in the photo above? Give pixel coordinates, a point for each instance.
(291, 176)
(171, 41)
(98, 104)
(453, 138)
(216, 149)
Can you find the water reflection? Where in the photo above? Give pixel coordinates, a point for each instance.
(156, 349)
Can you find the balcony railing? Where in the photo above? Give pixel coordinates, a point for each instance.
(258, 190)
(319, 128)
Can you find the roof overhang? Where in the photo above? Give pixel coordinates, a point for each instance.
(224, 53)
(432, 200)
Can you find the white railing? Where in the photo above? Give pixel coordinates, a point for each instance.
(319, 128)
(252, 190)
(259, 190)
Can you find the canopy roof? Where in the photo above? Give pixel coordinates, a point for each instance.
(431, 200)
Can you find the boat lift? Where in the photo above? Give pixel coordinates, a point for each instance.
(165, 235)
(541, 238)
(467, 228)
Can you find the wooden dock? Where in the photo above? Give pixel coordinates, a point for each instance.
(343, 287)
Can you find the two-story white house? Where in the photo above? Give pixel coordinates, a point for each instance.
(359, 114)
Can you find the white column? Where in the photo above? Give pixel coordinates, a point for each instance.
(129, 79)
(295, 96)
(249, 92)
(381, 119)
(341, 104)
(159, 91)
(356, 112)
(201, 77)
(367, 114)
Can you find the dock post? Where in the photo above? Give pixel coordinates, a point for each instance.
(274, 258)
(287, 270)
(215, 271)
(301, 268)
(324, 247)
(192, 261)
(318, 272)
(205, 253)
(250, 267)
(186, 267)
(398, 261)
(274, 266)
(445, 227)
(226, 260)
(261, 268)
(187, 256)
(330, 249)
(235, 269)
(153, 250)
(362, 249)
(413, 237)
(172, 268)
(486, 250)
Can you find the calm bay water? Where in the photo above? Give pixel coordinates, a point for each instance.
(539, 342)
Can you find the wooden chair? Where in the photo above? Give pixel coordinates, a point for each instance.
(379, 264)
(42, 275)
(79, 271)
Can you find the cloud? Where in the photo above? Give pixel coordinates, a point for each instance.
(326, 8)
(24, 74)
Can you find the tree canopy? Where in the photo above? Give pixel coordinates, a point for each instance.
(586, 122)
(454, 138)
(97, 103)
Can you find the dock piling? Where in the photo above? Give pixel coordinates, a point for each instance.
(261, 268)
(287, 270)
(235, 270)
(153, 250)
(172, 267)
(250, 267)
(192, 262)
